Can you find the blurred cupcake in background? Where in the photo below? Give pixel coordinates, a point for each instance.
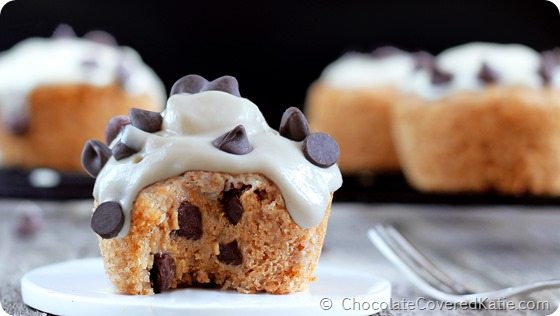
(55, 93)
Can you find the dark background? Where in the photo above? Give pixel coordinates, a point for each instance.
(277, 48)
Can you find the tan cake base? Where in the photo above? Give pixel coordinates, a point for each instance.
(278, 256)
(360, 121)
(501, 139)
(62, 118)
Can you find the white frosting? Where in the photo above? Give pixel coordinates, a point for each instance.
(515, 64)
(45, 61)
(190, 124)
(357, 70)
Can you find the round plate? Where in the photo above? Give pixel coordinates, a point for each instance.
(80, 287)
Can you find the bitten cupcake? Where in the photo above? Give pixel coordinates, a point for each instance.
(353, 101)
(55, 93)
(489, 123)
(207, 193)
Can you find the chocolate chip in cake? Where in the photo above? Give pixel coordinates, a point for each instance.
(487, 75)
(63, 31)
(386, 51)
(121, 151)
(145, 120)
(226, 84)
(17, 123)
(549, 62)
(321, 150)
(230, 253)
(189, 84)
(107, 220)
(234, 142)
(231, 205)
(294, 125)
(101, 37)
(162, 272)
(423, 61)
(94, 156)
(190, 221)
(115, 126)
(440, 77)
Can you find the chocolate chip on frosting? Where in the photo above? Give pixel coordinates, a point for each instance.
(145, 120)
(234, 142)
(195, 84)
(101, 37)
(487, 75)
(230, 253)
(423, 61)
(115, 126)
(294, 125)
(64, 31)
(549, 62)
(231, 205)
(162, 272)
(190, 221)
(107, 220)
(94, 156)
(121, 151)
(321, 150)
(440, 77)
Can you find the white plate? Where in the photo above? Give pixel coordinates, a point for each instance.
(80, 287)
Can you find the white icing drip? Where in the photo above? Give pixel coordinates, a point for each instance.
(190, 124)
(362, 71)
(515, 65)
(45, 61)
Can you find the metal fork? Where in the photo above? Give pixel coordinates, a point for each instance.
(430, 279)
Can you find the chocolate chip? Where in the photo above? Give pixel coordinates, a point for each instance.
(101, 37)
(440, 77)
(231, 205)
(190, 221)
(293, 125)
(195, 84)
(386, 51)
(226, 84)
(189, 84)
(230, 253)
(321, 150)
(162, 272)
(94, 156)
(234, 142)
(107, 220)
(17, 123)
(63, 31)
(29, 224)
(147, 121)
(487, 75)
(423, 61)
(115, 126)
(121, 151)
(549, 62)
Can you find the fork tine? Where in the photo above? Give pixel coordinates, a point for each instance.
(424, 261)
(391, 250)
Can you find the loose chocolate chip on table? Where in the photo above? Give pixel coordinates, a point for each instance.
(549, 62)
(423, 61)
(487, 75)
(116, 124)
(226, 84)
(230, 253)
(64, 31)
(121, 151)
(293, 125)
(386, 51)
(190, 221)
(189, 84)
(440, 77)
(107, 220)
(94, 156)
(234, 142)
(162, 272)
(145, 120)
(231, 205)
(17, 123)
(101, 37)
(321, 150)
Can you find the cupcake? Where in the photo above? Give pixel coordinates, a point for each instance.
(353, 101)
(487, 120)
(55, 93)
(206, 193)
